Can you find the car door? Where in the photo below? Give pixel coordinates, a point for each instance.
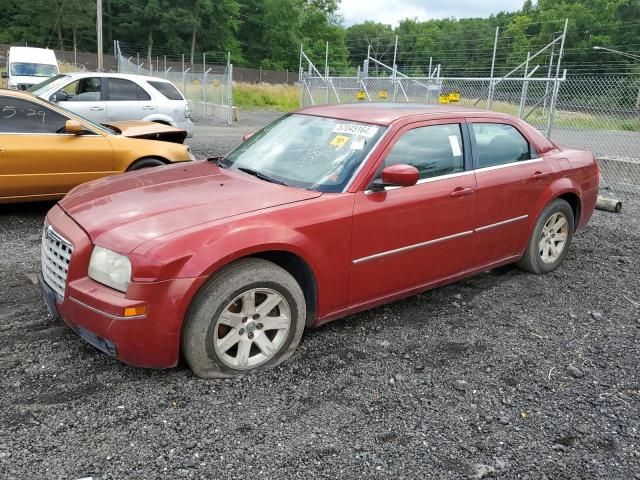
(37, 157)
(86, 97)
(126, 100)
(510, 181)
(405, 238)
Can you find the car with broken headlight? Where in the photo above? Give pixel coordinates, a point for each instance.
(325, 212)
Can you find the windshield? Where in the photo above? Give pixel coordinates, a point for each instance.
(306, 151)
(40, 88)
(33, 70)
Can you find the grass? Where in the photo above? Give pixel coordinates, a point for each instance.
(250, 96)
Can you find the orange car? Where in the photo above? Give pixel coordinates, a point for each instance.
(46, 150)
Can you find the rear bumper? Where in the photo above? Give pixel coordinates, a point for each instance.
(187, 125)
(589, 198)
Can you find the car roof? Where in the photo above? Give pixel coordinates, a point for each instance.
(18, 94)
(128, 76)
(388, 113)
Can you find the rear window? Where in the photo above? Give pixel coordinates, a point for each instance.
(167, 89)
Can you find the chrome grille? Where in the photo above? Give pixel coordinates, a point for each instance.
(56, 255)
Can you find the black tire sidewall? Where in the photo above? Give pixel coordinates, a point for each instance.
(145, 163)
(215, 296)
(557, 206)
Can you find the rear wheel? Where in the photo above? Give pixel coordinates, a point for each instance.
(249, 317)
(145, 163)
(550, 240)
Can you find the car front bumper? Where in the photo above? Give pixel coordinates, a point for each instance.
(97, 313)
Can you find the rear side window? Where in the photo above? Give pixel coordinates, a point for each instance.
(21, 116)
(499, 144)
(125, 90)
(434, 150)
(167, 89)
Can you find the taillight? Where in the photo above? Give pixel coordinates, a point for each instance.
(595, 162)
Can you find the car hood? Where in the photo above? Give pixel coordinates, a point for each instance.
(149, 131)
(124, 211)
(26, 80)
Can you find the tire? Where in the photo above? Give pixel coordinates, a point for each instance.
(226, 332)
(145, 163)
(550, 240)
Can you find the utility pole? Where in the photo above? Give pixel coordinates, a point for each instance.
(99, 34)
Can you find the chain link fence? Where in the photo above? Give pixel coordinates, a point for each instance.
(598, 113)
(207, 87)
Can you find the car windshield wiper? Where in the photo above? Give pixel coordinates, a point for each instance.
(261, 176)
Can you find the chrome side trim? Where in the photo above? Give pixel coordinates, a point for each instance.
(411, 247)
(505, 165)
(437, 240)
(100, 312)
(499, 224)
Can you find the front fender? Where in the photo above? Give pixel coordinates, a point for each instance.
(317, 231)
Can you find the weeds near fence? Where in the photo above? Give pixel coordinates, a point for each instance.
(279, 97)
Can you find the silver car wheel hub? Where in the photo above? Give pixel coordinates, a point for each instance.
(553, 238)
(252, 328)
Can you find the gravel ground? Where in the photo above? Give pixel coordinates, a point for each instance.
(504, 375)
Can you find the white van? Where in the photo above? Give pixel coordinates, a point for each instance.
(28, 66)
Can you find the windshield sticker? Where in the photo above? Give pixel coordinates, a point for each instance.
(356, 129)
(339, 141)
(455, 146)
(357, 143)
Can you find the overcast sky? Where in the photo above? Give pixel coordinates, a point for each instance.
(392, 11)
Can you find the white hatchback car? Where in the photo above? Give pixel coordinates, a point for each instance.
(109, 97)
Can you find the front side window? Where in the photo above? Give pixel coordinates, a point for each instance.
(126, 90)
(83, 90)
(305, 151)
(21, 116)
(434, 150)
(499, 144)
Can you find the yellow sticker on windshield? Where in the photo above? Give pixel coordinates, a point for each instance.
(339, 141)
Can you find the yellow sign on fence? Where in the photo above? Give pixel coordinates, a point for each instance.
(454, 96)
(361, 95)
(383, 94)
(444, 98)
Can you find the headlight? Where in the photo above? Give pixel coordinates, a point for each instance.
(191, 155)
(110, 268)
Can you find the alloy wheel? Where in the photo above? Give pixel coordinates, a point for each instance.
(252, 328)
(553, 238)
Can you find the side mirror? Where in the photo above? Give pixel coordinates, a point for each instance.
(58, 97)
(398, 175)
(247, 136)
(73, 126)
(5, 75)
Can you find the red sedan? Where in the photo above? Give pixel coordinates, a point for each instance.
(325, 212)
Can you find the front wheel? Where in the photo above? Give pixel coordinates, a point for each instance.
(145, 163)
(249, 317)
(550, 240)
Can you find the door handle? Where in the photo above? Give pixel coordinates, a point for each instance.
(461, 192)
(148, 107)
(96, 109)
(539, 175)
